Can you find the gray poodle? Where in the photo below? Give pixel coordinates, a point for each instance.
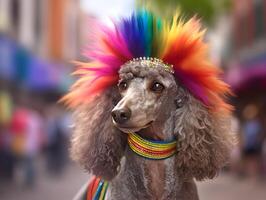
(150, 102)
(172, 97)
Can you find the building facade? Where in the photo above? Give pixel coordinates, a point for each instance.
(47, 27)
(248, 42)
(245, 59)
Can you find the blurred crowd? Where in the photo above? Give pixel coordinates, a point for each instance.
(249, 155)
(35, 52)
(29, 129)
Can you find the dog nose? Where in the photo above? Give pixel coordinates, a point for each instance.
(121, 116)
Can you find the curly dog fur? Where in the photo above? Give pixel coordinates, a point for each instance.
(203, 141)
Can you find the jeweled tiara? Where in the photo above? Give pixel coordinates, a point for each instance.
(153, 62)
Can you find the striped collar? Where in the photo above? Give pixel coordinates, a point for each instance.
(151, 149)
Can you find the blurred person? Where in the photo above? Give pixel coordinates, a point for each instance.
(252, 134)
(26, 139)
(235, 159)
(5, 106)
(264, 148)
(57, 139)
(6, 159)
(66, 123)
(264, 159)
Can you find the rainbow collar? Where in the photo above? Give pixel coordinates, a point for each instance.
(151, 149)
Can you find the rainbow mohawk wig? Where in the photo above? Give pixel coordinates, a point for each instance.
(174, 41)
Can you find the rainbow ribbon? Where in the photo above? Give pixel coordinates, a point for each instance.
(101, 190)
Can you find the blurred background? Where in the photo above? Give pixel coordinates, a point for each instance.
(40, 38)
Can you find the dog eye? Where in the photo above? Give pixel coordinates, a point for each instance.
(157, 87)
(122, 85)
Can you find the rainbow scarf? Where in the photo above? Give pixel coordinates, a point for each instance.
(175, 41)
(151, 149)
(97, 189)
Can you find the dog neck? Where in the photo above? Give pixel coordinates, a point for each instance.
(157, 175)
(153, 179)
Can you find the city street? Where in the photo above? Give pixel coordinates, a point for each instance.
(229, 188)
(64, 187)
(58, 187)
(190, 70)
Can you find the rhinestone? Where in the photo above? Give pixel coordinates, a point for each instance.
(153, 62)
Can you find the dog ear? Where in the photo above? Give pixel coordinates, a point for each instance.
(204, 139)
(96, 143)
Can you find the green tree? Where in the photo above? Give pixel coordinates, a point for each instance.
(205, 9)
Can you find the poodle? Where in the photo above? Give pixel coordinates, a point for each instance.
(148, 98)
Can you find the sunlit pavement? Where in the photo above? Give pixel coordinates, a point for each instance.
(228, 187)
(48, 187)
(65, 186)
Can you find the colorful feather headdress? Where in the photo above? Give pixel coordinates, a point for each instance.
(176, 42)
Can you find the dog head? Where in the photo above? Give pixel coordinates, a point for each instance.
(148, 96)
(114, 96)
